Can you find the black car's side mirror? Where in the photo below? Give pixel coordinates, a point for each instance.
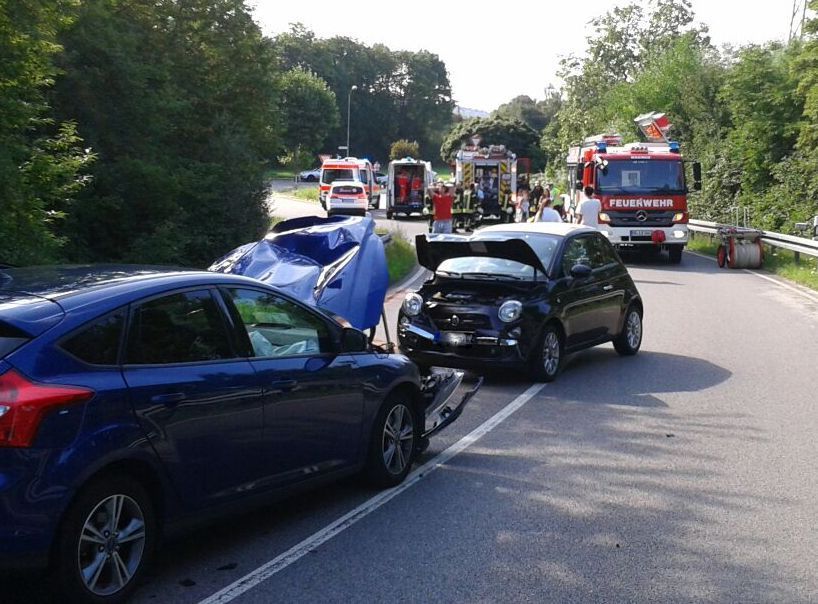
(354, 340)
(580, 271)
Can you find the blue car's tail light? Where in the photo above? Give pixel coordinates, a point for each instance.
(24, 404)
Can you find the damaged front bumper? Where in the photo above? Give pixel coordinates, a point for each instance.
(445, 396)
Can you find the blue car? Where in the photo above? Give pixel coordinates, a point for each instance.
(135, 400)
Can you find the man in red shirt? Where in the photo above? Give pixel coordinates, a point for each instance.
(442, 200)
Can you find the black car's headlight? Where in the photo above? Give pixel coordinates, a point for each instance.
(510, 310)
(412, 304)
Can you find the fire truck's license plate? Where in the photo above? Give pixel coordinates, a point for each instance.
(641, 233)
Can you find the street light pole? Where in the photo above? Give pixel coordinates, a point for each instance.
(349, 104)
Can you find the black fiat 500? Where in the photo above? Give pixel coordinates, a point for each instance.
(519, 296)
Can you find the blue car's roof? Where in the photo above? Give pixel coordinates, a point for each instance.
(35, 298)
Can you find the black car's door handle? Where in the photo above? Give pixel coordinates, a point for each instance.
(607, 288)
(172, 398)
(283, 385)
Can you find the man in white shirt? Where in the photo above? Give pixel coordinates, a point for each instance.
(589, 208)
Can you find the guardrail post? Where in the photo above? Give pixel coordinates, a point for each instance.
(797, 256)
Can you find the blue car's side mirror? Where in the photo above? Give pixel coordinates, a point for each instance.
(354, 340)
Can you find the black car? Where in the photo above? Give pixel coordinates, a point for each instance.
(519, 296)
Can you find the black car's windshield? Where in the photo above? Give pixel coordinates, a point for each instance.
(480, 267)
(641, 176)
(488, 269)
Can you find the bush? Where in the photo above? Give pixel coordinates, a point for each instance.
(404, 148)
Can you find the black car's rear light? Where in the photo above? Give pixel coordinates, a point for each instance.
(24, 404)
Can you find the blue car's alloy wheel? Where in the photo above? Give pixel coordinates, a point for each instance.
(106, 541)
(398, 439)
(111, 545)
(394, 442)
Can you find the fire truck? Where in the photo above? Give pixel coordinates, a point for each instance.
(493, 172)
(641, 186)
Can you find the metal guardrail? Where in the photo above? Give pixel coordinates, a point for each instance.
(797, 245)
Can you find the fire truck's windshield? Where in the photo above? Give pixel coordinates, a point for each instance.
(641, 176)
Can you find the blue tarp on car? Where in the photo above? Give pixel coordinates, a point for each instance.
(336, 263)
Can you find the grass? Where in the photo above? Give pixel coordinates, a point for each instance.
(777, 261)
(443, 172)
(280, 174)
(305, 194)
(400, 257)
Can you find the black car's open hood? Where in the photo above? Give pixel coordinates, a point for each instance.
(431, 252)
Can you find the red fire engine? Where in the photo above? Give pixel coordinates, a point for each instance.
(641, 186)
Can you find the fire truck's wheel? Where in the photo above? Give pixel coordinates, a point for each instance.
(721, 256)
(629, 341)
(547, 359)
(675, 253)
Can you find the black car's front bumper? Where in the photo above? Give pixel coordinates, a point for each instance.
(484, 349)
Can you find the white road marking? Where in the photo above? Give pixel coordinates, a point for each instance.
(792, 288)
(279, 563)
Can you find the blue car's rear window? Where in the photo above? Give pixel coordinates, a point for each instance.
(11, 339)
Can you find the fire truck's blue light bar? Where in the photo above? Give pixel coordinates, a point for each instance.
(602, 147)
(674, 147)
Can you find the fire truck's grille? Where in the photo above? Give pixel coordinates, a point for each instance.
(629, 219)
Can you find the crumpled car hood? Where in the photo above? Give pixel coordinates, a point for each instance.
(336, 263)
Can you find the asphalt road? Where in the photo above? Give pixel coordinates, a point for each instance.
(684, 474)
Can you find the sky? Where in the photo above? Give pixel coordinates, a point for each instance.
(495, 51)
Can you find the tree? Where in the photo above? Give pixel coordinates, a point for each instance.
(41, 160)
(399, 94)
(514, 134)
(309, 109)
(181, 102)
(404, 148)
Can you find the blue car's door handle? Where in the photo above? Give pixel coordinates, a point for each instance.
(169, 399)
(283, 385)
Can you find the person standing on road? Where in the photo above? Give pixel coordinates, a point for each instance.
(536, 195)
(442, 200)
(587, 212)
(546, 213)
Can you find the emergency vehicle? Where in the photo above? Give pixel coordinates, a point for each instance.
(347, 197)
(641, 186)
(493, 171)
(407, 182)
(349, 168)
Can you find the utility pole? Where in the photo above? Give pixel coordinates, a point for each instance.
(349, 104)
(796, 20)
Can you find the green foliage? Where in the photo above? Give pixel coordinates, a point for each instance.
(41, 160)
(400, 94)
(514, 134)
(180, 101)
(309, 110)
(404, 148)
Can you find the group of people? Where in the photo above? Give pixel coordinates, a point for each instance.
(548, 206)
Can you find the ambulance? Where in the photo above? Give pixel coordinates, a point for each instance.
(349, 168)
(407, 182)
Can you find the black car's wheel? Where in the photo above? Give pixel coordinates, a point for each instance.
(628, 342)
(393, 445)
(675, 253)
(547, 359)
(389, 214)
(106, 542)
(311, 178)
